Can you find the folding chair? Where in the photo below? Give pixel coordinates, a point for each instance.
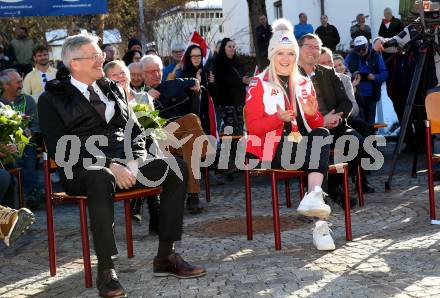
(432, 125)
(285, 175)
(60, 197)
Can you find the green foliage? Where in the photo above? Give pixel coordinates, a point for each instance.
(12, 131)
(150, 120)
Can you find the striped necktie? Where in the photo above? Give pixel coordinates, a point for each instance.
(96, 102)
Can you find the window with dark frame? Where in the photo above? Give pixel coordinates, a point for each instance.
(278, 9)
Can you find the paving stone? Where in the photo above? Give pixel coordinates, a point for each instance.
(393, 254)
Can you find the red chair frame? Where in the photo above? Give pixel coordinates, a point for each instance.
(52, 198)
(285, 175)
(432, 126)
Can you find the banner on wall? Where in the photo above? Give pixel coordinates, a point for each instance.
(25, 8)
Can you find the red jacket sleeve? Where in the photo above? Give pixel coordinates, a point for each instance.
(316, 120)
(257, 121)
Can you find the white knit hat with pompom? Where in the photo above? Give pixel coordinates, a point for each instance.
(282, 38)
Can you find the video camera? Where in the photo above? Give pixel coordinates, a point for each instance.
(423, 28)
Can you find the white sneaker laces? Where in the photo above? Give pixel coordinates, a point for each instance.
(324, 229)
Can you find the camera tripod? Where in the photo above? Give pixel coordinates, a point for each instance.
(421, 67)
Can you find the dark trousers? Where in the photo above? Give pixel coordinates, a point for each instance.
(99, 186)
(322, 156)
(232, 116)
(342, 130)
(367, 109)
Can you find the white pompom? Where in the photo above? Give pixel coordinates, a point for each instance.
(282, 25)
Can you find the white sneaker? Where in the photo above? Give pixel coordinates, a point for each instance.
(313, 204)
(321, 236)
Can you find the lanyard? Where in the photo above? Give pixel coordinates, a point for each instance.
(290, 106)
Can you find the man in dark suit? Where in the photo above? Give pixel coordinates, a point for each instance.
(109, 157)
(333, 101)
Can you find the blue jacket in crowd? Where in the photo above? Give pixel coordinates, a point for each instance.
(371, 63)
(302, 29)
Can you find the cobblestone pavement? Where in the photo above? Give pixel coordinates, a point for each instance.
(394, 253)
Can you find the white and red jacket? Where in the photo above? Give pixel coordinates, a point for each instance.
(263, 125)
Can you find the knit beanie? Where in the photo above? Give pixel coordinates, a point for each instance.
(282, 38)
(133, 41)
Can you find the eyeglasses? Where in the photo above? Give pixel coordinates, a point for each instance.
(95, 57)
(311, 47)
(44, 77)
(196, 56)
(177, 51)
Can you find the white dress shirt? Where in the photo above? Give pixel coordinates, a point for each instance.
(110, 104)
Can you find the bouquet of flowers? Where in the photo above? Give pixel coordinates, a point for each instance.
(150, 120)
(12, 132)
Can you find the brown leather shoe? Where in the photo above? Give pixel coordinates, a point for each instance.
(176, 266)
(108, 285)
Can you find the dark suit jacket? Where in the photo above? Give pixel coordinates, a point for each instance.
(330, 91)
(395, 27)
(65, 111)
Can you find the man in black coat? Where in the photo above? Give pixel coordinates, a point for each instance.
(390, 27)
(264, 33)
(333, 101)
(328, 34)
(104, 155)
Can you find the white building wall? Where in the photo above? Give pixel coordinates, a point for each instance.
(341, 13)
(236, 24)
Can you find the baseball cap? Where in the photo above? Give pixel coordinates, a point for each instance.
(360, 42)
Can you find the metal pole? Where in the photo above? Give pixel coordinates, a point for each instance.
(142, 23)
(407, 114)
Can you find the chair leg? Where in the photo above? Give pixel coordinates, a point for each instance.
(359, 186)
(20, 190)
(207, 187)
(276, 212)
(432, 214)
(348, 233)
(301, 187)
(51, 236)
(247, 186)
(128, 228)
(85, 244)
(49, 220)
(287, 190)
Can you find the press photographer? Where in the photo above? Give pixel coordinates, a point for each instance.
(420, 38)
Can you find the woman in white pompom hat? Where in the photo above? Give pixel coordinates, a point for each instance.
(282, 111)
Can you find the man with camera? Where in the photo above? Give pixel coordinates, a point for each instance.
(370, 66)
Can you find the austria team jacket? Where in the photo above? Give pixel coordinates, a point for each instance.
(263, 125)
